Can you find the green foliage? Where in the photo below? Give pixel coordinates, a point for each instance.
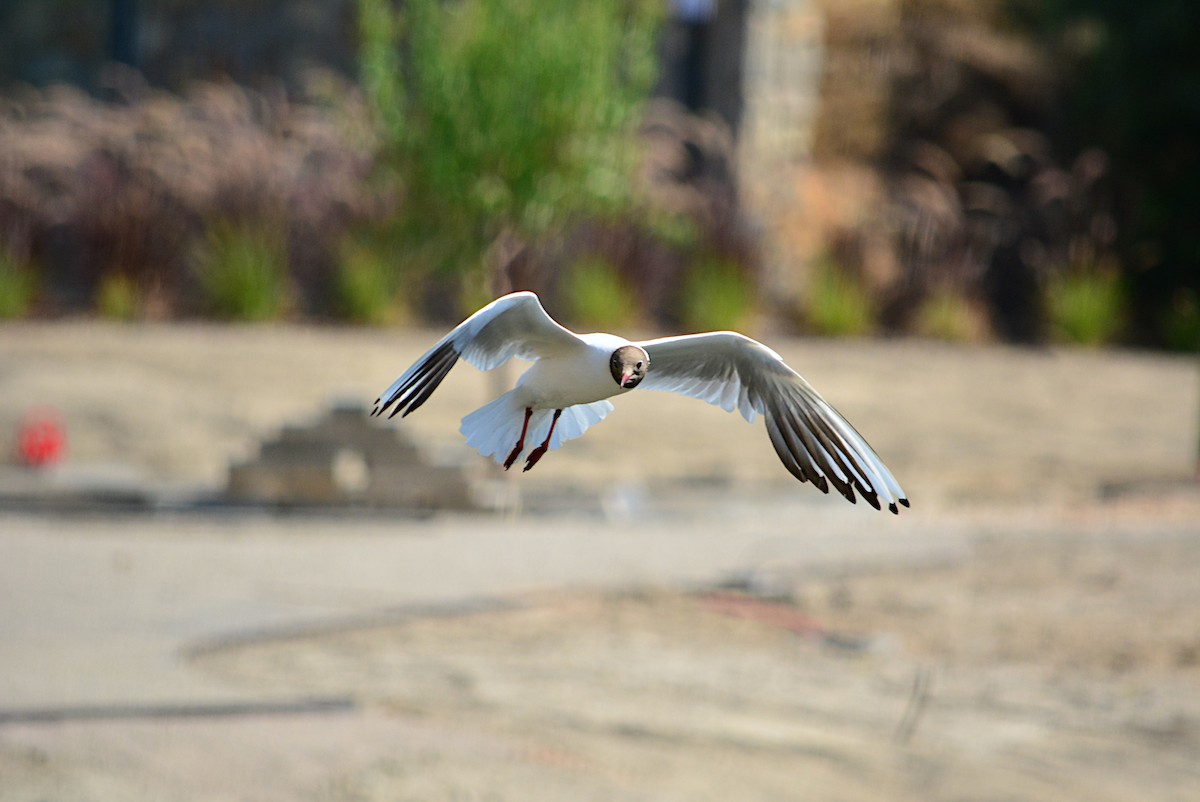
(1086, 308)
(505, 116)
(673, 230)
(117, 298)
(243, 270)
(837, 305)
(364, 285)
(596, 295)
(715, 295)
(17, 287)
(949, 317)
(1181, 323)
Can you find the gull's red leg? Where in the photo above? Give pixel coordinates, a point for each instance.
(537, 453)
(520, 441)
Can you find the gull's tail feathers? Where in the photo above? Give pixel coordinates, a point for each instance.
(493, 429)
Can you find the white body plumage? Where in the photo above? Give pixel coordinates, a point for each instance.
(579, 377)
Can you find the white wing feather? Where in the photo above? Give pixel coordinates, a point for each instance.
(814, 442)
(515, 325)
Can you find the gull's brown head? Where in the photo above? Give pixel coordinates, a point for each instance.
(628, 365)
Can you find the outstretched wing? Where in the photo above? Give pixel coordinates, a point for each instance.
(514, 325)
(814, 442)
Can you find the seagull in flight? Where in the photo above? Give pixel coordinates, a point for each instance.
(567, 388)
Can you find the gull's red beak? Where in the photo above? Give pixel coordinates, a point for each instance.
(625, 377)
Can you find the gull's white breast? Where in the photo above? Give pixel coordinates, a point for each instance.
(579, 377)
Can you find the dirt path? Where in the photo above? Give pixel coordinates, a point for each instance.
(1056, 660)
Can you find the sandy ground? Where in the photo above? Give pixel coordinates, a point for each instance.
(947, 682)
(705, 630)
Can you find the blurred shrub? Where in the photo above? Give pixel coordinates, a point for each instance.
(961, 187)
(1129, 74)
(950, 317)
(597, 296)
(698, 261)
(1086, 308)
(242, 270)
(836, 304)
(365, 283)
(716, 295)
(117, 298)
(1181, 323)
(460, 150)
(17, 286)
(503, 119)
(92, 189)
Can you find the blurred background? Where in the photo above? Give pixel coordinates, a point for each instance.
(999, 170)
(225, 226)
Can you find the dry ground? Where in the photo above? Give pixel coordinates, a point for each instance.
(1033, 670)
(1056, 658)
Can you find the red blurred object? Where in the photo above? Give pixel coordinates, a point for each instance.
(41, 439)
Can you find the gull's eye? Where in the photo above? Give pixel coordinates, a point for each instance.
(639, 364)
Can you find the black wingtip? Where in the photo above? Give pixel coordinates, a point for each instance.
(892, 508)
(904, 501)
(871, 498)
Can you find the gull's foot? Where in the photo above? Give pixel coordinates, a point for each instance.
(512, 457)
(534, 456)
(516, 452)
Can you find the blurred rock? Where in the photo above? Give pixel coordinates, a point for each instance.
(344, 460)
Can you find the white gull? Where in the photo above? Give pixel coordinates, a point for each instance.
(566, 390)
